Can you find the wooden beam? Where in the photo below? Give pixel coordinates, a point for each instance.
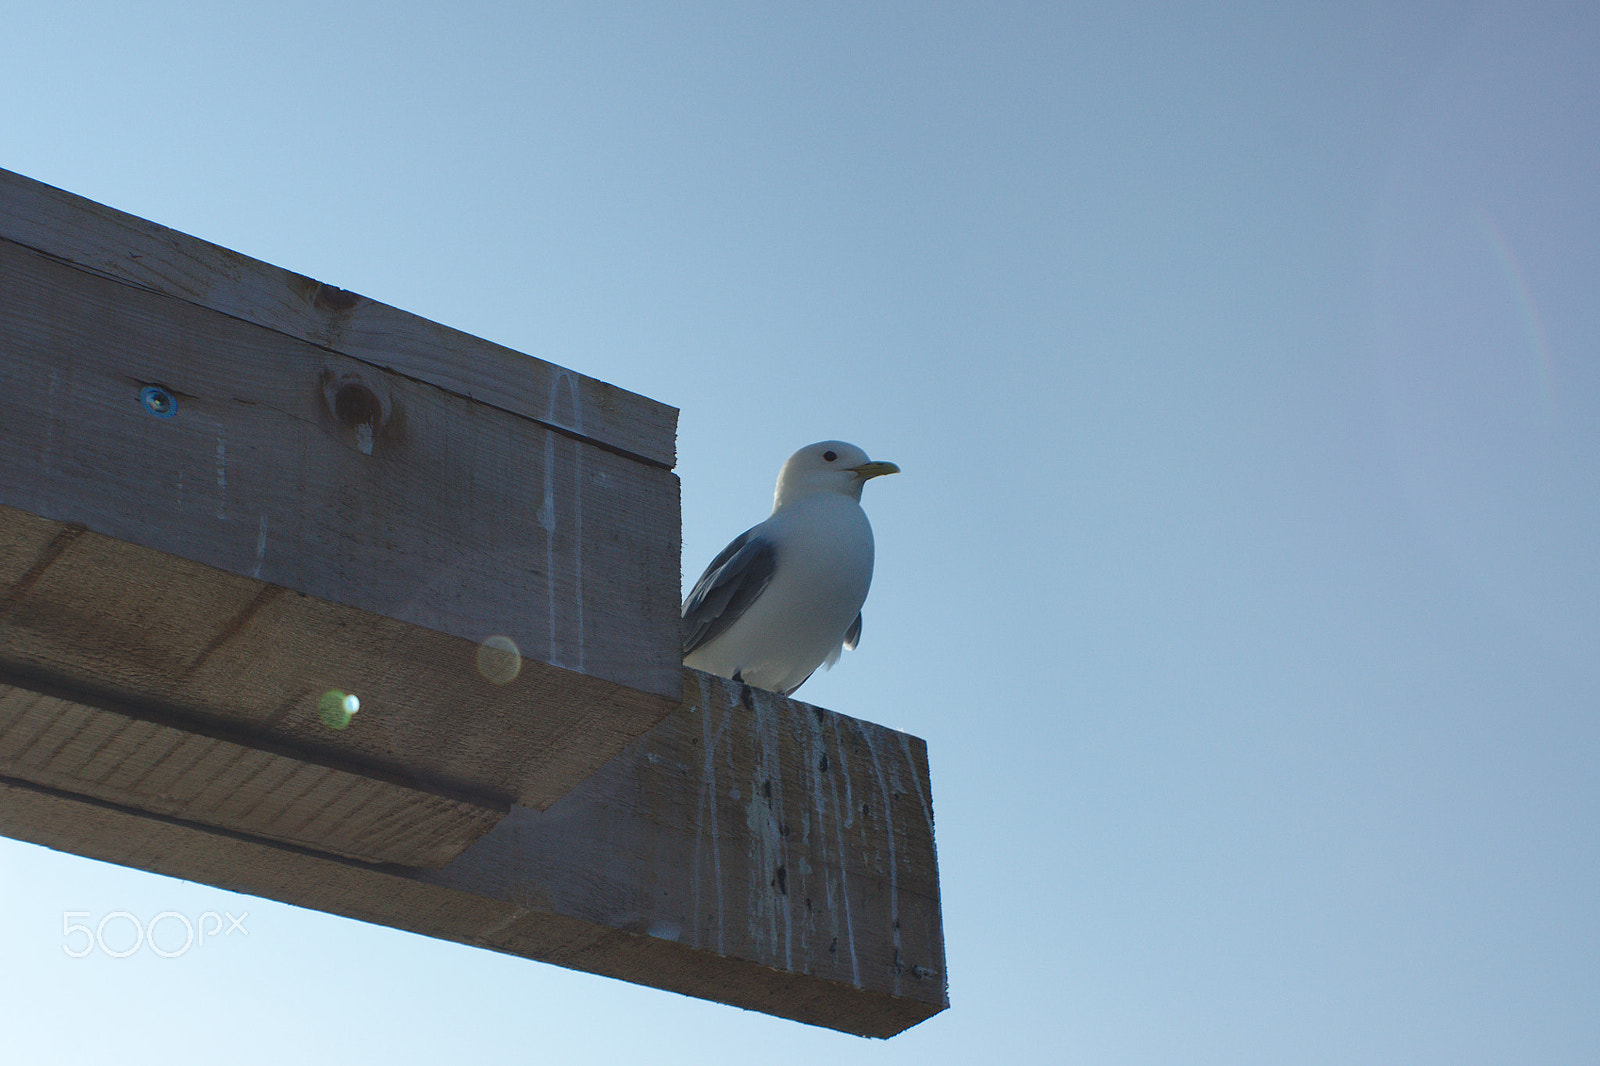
(450, 514)
(229, 494)
(125, 633)
(749, 849)
(152, 257)
(745, 848)
(95, 751)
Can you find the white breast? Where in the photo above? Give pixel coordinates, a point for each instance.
(820, 580)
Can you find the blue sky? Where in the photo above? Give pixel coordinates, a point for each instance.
(1243, 362)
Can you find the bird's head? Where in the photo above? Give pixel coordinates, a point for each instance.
(827, 466)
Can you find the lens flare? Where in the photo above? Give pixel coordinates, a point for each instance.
(1537, 341)
(499, 661)
(336, 708)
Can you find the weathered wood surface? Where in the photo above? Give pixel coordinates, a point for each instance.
(226, 489)
(749, 849)
(103, 754)
(744, 829)
(283, 461)
(162, 260)
(146, 634)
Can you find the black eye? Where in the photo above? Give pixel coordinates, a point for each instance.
(830, 456)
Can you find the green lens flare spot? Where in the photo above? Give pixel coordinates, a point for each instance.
(337, 708)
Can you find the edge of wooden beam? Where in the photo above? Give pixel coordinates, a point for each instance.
(136, 250)
(719, 857)
(97, 622)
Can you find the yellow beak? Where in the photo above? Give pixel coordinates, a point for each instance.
(866, 470)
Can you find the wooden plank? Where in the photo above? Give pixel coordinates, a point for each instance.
(101, 622)
(743, 828)
(162, 260)
(106, 755)
(274, 459)
(751, 850)
(226, 491)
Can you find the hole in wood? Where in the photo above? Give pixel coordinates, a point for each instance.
(361, 409)
(356, 405)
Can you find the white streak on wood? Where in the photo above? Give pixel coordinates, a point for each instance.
(222, 473)
(48, 457)
(261, 547)
(566, 633)
(765, 818)
(841, 755)
(512, 917)
(706, 811)
(887, 799)
(547, 522)
(922, 793)
(563, 380)
(836, 770)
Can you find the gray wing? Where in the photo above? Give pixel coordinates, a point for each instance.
(726, 590)
(852, 636)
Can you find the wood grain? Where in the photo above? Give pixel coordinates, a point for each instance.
(162, 260)
(100, 753)
(226, 490)
(105, 623)
(663, 869)
(310, 470)
(745, 826)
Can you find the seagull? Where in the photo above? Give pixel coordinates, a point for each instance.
(786, 595)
